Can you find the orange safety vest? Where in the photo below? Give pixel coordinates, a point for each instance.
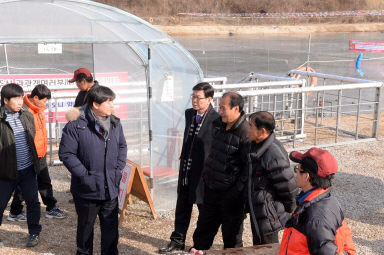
(41, 141)
(295, 243)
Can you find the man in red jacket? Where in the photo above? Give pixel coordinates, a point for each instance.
(317, 226)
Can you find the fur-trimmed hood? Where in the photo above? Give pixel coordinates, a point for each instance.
(73, 114)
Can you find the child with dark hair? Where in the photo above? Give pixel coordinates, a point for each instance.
(19, 162)
(35, 103)
(10, 91)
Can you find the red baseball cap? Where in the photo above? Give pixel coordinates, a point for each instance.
(79, 71)
(326, 163)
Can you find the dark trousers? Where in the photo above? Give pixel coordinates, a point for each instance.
(225, 208)
(182, 216)
(45, 190)
(87, 211)
(26, 180)
(265, 239)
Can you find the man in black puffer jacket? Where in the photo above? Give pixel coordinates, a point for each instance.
(271, 188)
(224, 177)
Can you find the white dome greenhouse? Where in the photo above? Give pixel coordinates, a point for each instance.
(44, 41)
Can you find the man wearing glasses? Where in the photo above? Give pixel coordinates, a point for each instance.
(317, 226)
(196, 143)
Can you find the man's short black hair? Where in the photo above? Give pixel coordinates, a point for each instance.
(100, 94)
(236, 100)
(263, 119)
(309, 166)
(11, 90)
(41, 91)
(82, 76)
(206, 87)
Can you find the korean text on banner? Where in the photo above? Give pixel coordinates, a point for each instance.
(124, 185)
(366, 46)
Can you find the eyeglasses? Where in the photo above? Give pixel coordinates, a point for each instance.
(197, 98)
(298, 169)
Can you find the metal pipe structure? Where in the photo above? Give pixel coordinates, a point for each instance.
(376, 117)
(330, 76)
(50, 131)
(306, 89)
(258, 84)
(358, 116)
(273, 96)
(149, 99)
(6, 57)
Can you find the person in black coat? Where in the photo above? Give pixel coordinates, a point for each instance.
(271, 189)
(196, 143)
(94, 150)
(19, 162)
(224, 177)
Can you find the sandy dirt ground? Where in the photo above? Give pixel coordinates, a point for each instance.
(204, 29)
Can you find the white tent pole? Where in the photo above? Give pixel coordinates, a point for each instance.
(149, 97)
(6, 57)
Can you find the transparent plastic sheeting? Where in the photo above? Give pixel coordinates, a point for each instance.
(72, 21)
(114, 45)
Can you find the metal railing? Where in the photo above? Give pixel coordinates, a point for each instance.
(281, 105)
(340, 110)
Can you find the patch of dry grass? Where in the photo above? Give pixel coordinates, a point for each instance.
(148, 8)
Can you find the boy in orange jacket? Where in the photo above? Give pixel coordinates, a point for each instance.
(35, 103)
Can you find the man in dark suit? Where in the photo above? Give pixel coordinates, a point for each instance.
(196, 144)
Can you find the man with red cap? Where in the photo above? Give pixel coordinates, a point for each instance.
(317, 226)
(84, 81)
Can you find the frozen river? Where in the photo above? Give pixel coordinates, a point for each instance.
(236, 56)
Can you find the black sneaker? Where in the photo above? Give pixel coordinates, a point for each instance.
(33, 240)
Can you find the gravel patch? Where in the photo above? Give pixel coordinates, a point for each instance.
(359, 186)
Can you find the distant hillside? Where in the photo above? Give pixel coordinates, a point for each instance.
(163, 8)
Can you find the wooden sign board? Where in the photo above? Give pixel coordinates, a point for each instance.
(133, 183)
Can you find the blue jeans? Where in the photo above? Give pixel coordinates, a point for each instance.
(26, 180)
(45, 189)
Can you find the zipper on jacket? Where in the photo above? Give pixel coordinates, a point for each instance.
(289, 236)
(106, 189)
